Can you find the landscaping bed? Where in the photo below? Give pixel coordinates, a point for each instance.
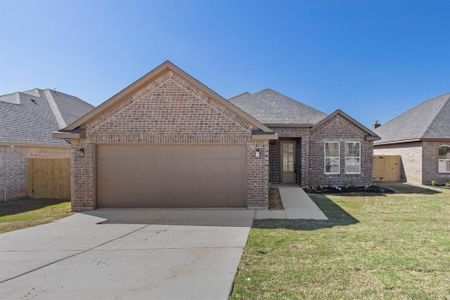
(275, 199)
(349, 189)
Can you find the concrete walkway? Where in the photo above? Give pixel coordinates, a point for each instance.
(297, 205)
(126, 254)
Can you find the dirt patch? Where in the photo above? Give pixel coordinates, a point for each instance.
(275, 199)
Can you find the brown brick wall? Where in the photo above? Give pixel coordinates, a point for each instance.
(168, 111)
(258, 175)
(339, 129)
(430, 163)
(302, 136)
(274, 162)
(411, 159)
(310, 154)
(14, 167)
(83, 181)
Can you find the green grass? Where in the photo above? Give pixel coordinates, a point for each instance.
(393, 246)
(24, 213)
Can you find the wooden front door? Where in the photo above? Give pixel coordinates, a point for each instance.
(288, 162)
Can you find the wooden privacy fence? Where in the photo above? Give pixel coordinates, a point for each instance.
(387, 168)
(49, 178)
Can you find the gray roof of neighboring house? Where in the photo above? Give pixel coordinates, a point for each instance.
(430, 119)
(270, 107)
(30, 117)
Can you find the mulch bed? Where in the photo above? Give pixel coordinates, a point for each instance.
(375, 189)
(275, 199)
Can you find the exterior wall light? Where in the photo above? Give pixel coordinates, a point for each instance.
(258, 153)
(79, 153)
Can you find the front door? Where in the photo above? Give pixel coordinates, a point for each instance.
(288, 162)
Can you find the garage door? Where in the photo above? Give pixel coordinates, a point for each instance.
(171, 175)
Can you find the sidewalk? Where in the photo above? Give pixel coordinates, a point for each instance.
(297, 205)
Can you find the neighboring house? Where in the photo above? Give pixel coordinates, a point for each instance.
(421, 136)
(27, 120)
(167, 140)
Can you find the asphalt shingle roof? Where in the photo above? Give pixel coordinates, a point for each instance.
(271, 107)
(28, 118)
(430, 119)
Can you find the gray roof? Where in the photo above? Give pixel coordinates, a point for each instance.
(270, 107)
(30, 117)
(430, 119)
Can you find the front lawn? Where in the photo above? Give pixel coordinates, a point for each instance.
(393, 246)
(23, 213)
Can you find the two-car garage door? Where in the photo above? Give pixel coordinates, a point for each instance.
(172, 175)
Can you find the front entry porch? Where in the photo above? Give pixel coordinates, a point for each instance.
(285, 161)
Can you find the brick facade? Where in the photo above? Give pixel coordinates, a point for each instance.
(168, 110)
(430, 151)
(340, 129)
(302, 137)
(419, 160)
(14, 167)
(310, 154)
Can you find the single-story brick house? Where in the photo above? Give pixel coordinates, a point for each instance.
(167, 140)
(27, 122)
(421, 136)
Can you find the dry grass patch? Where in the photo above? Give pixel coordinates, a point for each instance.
(18, 214)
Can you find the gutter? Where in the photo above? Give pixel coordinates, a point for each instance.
(270, 125)
(412, 141)
(32, 145)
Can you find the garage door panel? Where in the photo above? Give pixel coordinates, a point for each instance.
(219, 166)
(235, 168)
(171, 175)
(234, 199)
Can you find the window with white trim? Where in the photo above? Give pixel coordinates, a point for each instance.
(444, 159)
(332, 157)
(352, 157)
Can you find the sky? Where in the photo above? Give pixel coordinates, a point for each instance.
(372, 59)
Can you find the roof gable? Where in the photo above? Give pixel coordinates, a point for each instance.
(347, 118)
(430, 119)
(141, 85)
(271, 107)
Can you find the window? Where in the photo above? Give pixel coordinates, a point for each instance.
(352, 157)
(444, 159)
(288, 156)
(332, 158)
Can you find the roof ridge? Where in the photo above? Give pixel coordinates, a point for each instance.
(68, 95)
(55, 109)
(7, 98)
(239, 95)
(445, 102)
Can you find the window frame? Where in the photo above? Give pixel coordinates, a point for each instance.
(443, 159)
(325, 157)
(345, 158)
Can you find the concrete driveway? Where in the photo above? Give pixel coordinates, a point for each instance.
(126, 254)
